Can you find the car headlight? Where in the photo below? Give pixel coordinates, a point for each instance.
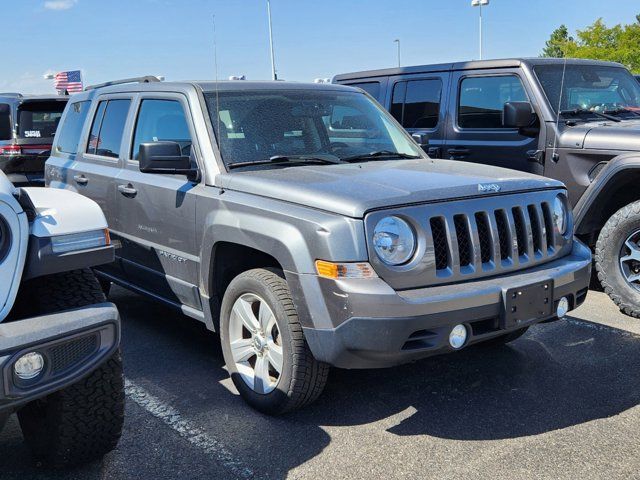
(394, 240)
(80, 241)
(560, 214)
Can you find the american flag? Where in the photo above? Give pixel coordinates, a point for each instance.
(69, 81)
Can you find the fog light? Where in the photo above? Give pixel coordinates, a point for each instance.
(29, 365)
(563, 307)
(458, 336)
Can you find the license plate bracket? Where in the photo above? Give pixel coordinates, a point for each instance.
(527, 303)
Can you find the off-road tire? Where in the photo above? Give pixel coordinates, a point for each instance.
(607, 258)
(303, 377)
(84, 421)
(504, 339)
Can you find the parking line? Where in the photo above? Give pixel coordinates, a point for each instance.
(186, 429)
(600, 327)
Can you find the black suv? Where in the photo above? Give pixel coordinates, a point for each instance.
(577, 121)
(27, 126)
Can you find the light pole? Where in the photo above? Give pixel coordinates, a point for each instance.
(480, 3)
(397, 40)
(274, 75)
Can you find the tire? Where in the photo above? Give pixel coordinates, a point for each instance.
(301, 378)
(622, 224)
(504, 339)
(81, 422)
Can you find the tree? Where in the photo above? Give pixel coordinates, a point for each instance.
(555, 46)
(620, 43)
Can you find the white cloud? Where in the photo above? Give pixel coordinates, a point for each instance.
(27, 83)
(59, 4)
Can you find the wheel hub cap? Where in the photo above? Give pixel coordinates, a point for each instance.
(630, 259)
(256, 346)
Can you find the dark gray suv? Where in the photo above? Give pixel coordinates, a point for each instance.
(303, 223)
(577, 121)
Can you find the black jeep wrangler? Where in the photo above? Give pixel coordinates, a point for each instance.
(577, 121)
(27, 126)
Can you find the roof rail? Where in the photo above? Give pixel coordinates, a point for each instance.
(145, 79)
(10, 94)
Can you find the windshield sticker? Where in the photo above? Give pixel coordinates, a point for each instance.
(32, 133)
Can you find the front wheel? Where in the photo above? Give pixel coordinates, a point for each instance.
(264, 348)
(618, 259)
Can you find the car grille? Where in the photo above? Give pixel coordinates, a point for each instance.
(476, 238)
(70, 354)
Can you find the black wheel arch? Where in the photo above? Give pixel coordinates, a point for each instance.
(613, 188)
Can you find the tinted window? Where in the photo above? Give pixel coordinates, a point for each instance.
(482, 100)
(5, 122)
(416, 104)
(372, 88)
(70, 131)
(397, 100)
(108, 127)
(39, 119)
(161, 120)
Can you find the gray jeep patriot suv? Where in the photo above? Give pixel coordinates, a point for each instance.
(308, 227)
(577, 121)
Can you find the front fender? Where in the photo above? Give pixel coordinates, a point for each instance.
(616, 170)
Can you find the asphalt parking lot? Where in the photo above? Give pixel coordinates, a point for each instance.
(561, 402)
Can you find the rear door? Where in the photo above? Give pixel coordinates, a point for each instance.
(157, 211)
(474, 130)
(416, 103)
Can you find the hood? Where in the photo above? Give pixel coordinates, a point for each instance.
(354, 189)
(603, 135)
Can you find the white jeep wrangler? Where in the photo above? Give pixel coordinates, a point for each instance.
(60, 366)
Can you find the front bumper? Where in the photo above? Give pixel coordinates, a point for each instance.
(73, 343)
(367, 324)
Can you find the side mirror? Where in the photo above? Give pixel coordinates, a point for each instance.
(421, 138)
(165, 158)
(517, 115)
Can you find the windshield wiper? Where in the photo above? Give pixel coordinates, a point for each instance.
(584, 111)
(379, 155)
(276, 159)
(616, 111)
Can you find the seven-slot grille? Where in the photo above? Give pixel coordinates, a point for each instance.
(487, 239)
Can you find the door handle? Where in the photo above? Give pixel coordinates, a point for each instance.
(457, 153)
(81, 179)
(127, 190)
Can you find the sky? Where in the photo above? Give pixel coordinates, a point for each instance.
(114, 39)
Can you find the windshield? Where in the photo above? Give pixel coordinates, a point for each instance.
(589, 88)
(254, 126)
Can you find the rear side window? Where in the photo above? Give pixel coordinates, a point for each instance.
(416, 104)
(161, 120)
(70, 131)
(39, 119)
(107, 128)
(5, 122)
(482, 99)
(372, 88)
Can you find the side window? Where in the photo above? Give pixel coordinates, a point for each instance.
(416, 103)
(5, 122)
(161, 120)
(108, 127)
(482, 99)
(68, 135)
(372, 88)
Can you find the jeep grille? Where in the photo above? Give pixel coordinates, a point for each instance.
(469, 239)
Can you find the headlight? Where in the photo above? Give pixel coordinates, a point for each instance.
(394, 240)
(80, 241)
(560, 215)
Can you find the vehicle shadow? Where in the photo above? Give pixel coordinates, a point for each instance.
(558, 375)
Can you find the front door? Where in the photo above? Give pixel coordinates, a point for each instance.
(157, 211)
(474, 129)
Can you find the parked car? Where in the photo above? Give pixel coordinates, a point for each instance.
(27, 126)
(576, 121)
(308, 228)
(59, 339)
